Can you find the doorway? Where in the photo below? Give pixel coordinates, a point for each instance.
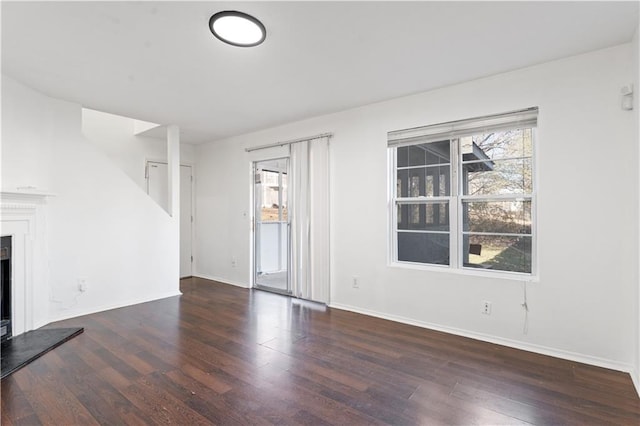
(157, 181)
(271, 232)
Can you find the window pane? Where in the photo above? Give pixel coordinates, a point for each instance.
(497, 252)
(424, 216)
(414, 184)
(273, 196)
(423, 247)
(424, 182)
(402, 156)
(514, 143)
(508, 217)
(424, 154)
(402, 186)
(497, 177)
(270, 211)
(285, 201)
(440, 178)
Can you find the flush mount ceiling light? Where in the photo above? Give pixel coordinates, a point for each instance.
(237, 28)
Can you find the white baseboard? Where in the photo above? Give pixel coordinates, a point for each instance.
(80, 312)
(221, 280)
(636, 380)
(544, 350)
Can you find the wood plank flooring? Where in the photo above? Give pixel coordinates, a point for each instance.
(225, 355)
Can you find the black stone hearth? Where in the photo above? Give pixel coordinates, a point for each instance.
(23, 349)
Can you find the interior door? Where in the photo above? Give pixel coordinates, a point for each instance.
(157, 188)
(271, 232)
(157, 185)
(186, 221)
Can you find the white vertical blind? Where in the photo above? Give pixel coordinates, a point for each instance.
(309, 181)
(299, 205)
(319, 215)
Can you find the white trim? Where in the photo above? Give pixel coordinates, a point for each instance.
(254, 252)
(22, 268)
(455, 208)
(535, 188)
(131, 302)
(530, 347)
(456, 201)
(496, 160)
(164, 161)
(636, 380)
(221, 280)
(150, 160)
(192, 219)
(455, 129)
(424, 231)
(23, 195)
(427, 166)
(330, 226)
(252, 225)
(496, 234)
(478, 272)
(193, 216)
(392, 205)
(23, 217)
(192, 166)
(496, 198)
(423, 200)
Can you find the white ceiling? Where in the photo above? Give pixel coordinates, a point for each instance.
(157, 61)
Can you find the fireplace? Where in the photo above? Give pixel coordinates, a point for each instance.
(25, 286)
(5, 287)
(25, 289)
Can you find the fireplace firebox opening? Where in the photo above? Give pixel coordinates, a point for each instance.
(5, 283)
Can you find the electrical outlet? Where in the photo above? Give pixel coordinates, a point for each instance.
(486, 307)
(82, 285)
(233, 262)
(356, 282)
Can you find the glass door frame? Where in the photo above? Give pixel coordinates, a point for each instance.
(257, 222)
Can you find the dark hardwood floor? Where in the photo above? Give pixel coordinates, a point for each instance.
(225, 355)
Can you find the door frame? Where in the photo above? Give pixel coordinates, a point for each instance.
(254, 227)
(192, 201)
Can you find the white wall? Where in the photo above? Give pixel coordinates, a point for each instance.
(101, 227)
(587, 212)
(114, 134)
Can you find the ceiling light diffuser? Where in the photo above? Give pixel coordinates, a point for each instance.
(237, 28)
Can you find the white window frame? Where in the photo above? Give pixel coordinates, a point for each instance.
(453, 132)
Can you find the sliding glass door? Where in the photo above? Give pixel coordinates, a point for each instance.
(271, 236)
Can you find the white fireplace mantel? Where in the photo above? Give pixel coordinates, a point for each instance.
(23, 217)
(24, 195)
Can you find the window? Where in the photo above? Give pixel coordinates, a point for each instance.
(273, 196)
(464, 193)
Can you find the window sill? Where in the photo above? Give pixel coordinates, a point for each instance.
(512, 276)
